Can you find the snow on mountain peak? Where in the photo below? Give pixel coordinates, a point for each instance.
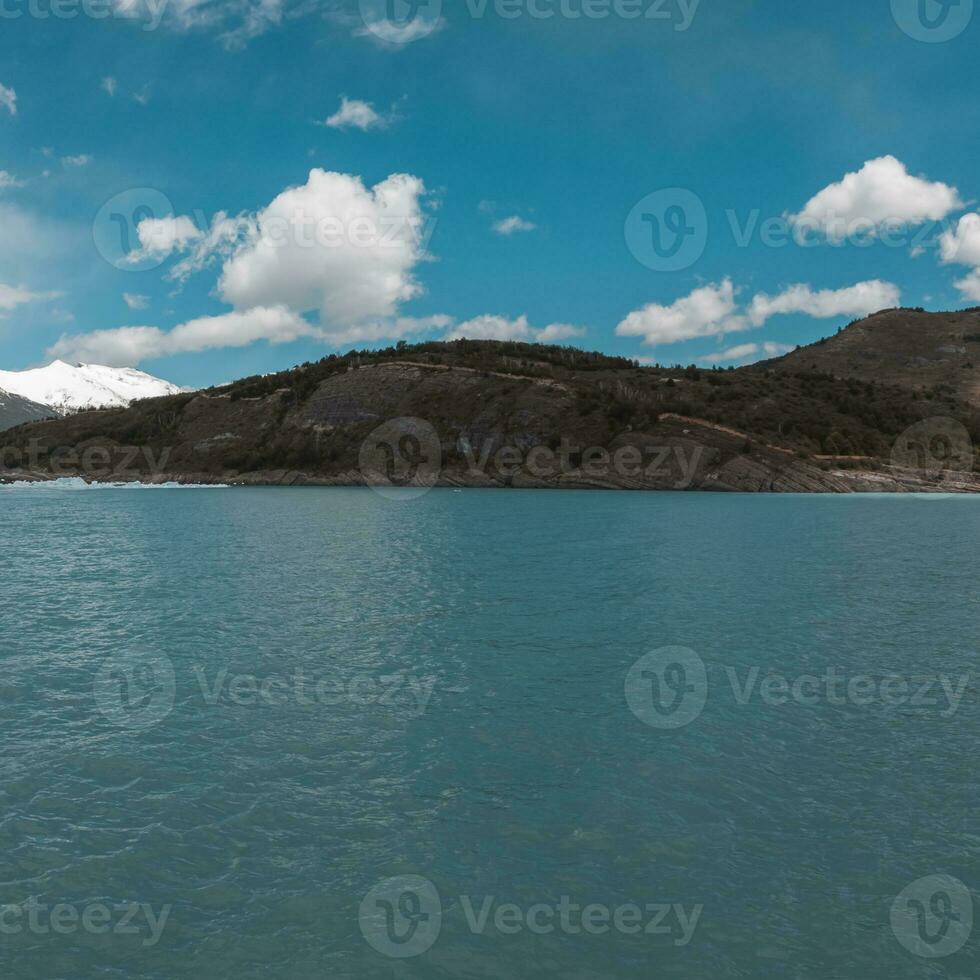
(71, 388)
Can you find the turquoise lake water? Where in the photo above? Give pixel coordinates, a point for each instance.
(320, 733)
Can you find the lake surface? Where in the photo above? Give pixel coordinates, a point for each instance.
(321, 733)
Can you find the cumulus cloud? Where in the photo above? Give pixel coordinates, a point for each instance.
(235, 21)
(135, 301)
(508, 226)
(737, 353)
(8, 100)
(969, 286)
(961, 246)
(708, 311)
(355, 114)
(712, 310)
(490, 327)
(128, 346)
(82, 160)
(331, 246)
(335, 246)
(394, 328)
(745, 352)
(9, 180)
(161, 237)
(861, 299)
(13, 296)
(223, 237)
(109, 86)
(881, 193)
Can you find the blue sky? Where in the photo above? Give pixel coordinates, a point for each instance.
(539, 158)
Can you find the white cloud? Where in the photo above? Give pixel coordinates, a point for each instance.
(135, 301)
(393, 328)
(707, 312)
(128, 346)
(738, 353)
(962, 246)
(882, 192)
(9, 180)
(333, 245)
(712, 310)
(8, 100)
(489, 327)
(160, 237)
(514, 223)
(969, 286)
(259, 17)
(222, 239)
(743, 352)
(355, 114)
(13, 296)
(772, 349)
(237, 21)
(558, 331)
(861, 299)
(109, 86)
(82, 160)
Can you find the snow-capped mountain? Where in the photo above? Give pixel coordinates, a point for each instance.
(71, 388)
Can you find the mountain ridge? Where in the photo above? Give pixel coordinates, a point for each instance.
(908, 347)
(380, 417)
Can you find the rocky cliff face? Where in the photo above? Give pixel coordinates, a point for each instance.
(483, 414)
